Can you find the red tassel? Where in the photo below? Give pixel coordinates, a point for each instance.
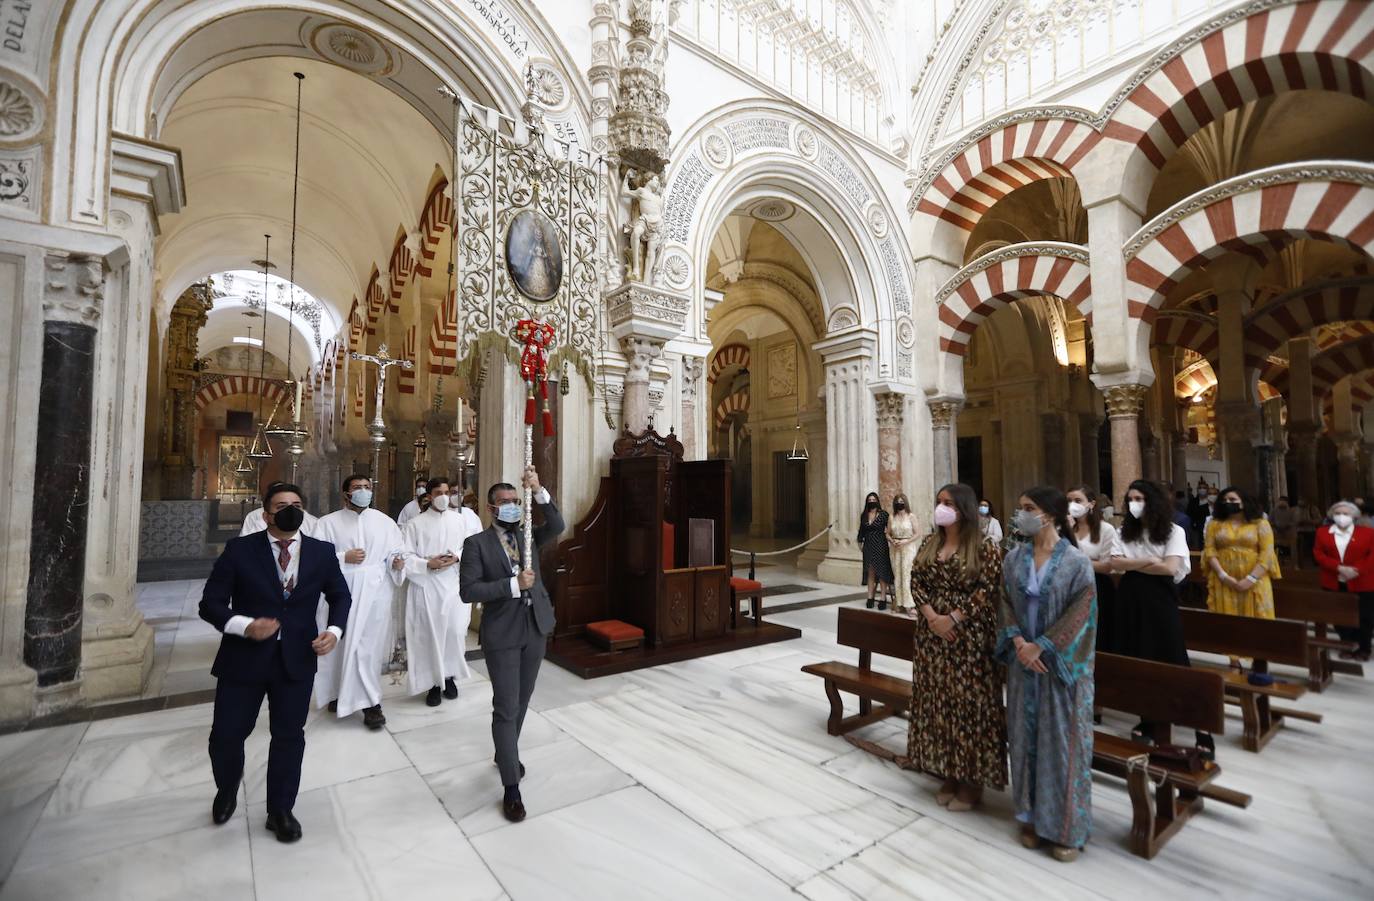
(529, 410)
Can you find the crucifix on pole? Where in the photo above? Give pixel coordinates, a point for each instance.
(376, 429)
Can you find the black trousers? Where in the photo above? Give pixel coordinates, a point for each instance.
(1362, 633)
(236, 712)
(513, 672)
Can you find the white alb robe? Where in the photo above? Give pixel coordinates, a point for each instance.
(254, 522)
(436, 619)
(352, 673)
(409, 512)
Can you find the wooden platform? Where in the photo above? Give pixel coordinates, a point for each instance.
(579, 656)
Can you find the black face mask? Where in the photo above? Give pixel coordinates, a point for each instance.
(288, 519)
(899, 505)
(871, 505)
(1226, 509)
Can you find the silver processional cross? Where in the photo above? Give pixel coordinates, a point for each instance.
(376, 430)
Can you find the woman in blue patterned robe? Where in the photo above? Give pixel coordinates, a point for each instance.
(1046, 638)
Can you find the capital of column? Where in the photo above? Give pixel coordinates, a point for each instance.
(1125, 401)
(635, 308)
(1239, 420)
(891, 407)
(1347, 447)
(640, 352)
(943, 413)
(73, 288)
(692, 369)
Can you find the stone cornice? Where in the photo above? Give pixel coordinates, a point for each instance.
(1076, 252)
(148, 171)
(1322, 170)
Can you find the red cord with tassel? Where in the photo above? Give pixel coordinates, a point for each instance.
(536, 338)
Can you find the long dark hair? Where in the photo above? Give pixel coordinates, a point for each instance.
(1249, 504)
(1158, 520)
(1054, 502)
(970, 535)
(864, 512)
(1094, 517)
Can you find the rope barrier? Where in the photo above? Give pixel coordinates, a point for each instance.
(786, 550)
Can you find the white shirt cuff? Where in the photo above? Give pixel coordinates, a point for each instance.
(515, 586)
(338, 633)
(238, 625)
(542, 495)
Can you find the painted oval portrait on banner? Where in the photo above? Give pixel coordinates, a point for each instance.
(534, 257)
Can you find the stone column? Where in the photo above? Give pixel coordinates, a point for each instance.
(890, 406)
(1240, 431)
(1302, 439)
(1123, 409)
(1179, 452)
(1347, 466)
(642, 319)
(1090, 427)
(690, 388)
(943, 416)
(52, 625)
(851, 448)
(640, 353)
(1303, 422)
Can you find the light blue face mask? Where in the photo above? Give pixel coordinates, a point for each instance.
(508, 512)
(361, 497)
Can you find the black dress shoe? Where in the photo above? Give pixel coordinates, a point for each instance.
(514, 810)
(869, 605)
(373, 718)
(226, 802)
(285, 826)
(450, 688)
(882, 605)
(434, 697)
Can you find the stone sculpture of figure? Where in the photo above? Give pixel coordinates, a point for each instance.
(646, 220)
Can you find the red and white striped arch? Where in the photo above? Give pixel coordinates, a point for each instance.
(1186, 328)
(735, 403)
(375, 300)
(1019, 270)
(1265, 209)
(727, 356)
(358, 392)
(269, 389)
(1334, 364)
(434, 219)
(405, 382)
(1296, 313)
(985, 167)
(398, 271)
(1319, 44)
(1195, 380)
(443, 339)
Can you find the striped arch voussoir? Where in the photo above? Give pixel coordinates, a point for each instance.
(1296, 313)
(735, 403)
(1185, 328)
(270, 389)
(729, 355)
(1006, 275)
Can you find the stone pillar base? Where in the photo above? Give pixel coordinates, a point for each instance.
(843, 570)
(117, 666)
(50, 699)
(17, 683)
(811, 558)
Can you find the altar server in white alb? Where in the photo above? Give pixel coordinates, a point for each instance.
(436, 619)
(254, 521)
(417, 504)
(372, 556)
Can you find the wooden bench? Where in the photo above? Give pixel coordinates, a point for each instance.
(1267, 641)
(1320, 610)
(871, 633)
(1164, 795)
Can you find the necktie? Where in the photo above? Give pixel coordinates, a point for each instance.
(284, 560)
(512, 549)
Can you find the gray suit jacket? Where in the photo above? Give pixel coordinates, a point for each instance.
(484, 575)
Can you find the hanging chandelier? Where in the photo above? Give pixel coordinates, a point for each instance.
(261, 448)
(799, 451)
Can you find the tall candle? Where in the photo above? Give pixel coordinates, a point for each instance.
(299, 386)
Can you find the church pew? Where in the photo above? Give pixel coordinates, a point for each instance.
(1266, 641)
(1164, 794)
(1320, 610)
(870, 632)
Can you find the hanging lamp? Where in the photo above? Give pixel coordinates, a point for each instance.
(245, 464)
(293, 430)
(261, 448)
(799, 450)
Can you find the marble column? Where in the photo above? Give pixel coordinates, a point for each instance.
(640, 353)
(851, 448)
(1302, 438)
(890, 406)
(1089, 428)
(1303, 422)
(1240, 430)
(1179, 452)
(1347, 467)
(690, 389)
(52, 624)
(943, 416)
(1123, 410)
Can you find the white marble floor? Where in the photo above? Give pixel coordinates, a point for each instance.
(712, 778)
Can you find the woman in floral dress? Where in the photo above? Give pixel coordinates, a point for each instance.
(958, 728)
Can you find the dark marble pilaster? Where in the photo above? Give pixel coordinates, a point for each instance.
(61, 496)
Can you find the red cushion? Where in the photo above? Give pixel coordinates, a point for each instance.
(614, 630)
(741, 586)
(668, 555)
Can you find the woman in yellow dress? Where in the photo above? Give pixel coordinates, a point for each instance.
(1239, 557)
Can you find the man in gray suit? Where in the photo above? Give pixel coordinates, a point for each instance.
(517, 618)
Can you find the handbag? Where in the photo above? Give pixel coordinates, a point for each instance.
(1178, 756)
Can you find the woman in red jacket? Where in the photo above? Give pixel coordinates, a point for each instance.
(1345, 553)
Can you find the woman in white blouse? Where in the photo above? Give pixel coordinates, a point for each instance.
(1096, 538)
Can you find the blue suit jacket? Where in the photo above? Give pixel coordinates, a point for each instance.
(244, 582)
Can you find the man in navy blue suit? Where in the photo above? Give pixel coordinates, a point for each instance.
(262, 595)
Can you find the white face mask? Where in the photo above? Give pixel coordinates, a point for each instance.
(439, 502)
(1342, 520)
(1078, 510)
(1137, 508)
(421, 491)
